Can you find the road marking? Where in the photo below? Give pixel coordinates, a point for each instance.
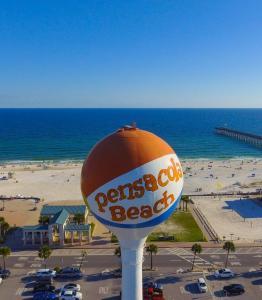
(23, 258)
(75, 265)
(37, 258)
(215, 256)
(19, 265)
(101, 252)
(235, 263)
(175, 260)
(35, 266)
(183, 291)
(103, 290)
(24, 253)
(219, 263)
(19, 291)
(258, 256)
(232, 256)
(259, 250)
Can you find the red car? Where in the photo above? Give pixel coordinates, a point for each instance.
(152, 293)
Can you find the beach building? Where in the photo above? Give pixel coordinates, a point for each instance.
(59, 225)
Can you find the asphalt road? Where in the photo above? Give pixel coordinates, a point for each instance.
(179, 258)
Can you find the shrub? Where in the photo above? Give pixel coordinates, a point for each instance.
(114, 238)
(92, 225)
(57, 269)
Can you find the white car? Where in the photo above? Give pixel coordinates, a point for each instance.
(202, 285)
(71, 287)
(1, 280)
(45, 273)
(71, 295)
(224, 273)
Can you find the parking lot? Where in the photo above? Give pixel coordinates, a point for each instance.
(104, 285)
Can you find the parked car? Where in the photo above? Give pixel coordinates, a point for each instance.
(202, 285)
(4, 273)
(1, 280)
(45, 296)
(45, 279)
(71, 287)
(233, 289)
(159, 286)
(224, 273)
(152, 290)
(69, 272)
(43, 287)
(45, 273)
(71, 295)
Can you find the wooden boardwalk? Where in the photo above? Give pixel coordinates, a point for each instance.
(249, 138)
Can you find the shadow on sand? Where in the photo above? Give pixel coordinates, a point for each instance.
(246, 208)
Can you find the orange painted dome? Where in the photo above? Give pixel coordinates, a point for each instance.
(124, 150)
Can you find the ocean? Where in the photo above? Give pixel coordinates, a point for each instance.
(69, 134)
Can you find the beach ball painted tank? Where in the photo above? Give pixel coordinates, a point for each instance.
(132, 179)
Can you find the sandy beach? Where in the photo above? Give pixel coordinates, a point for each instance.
(59, 182)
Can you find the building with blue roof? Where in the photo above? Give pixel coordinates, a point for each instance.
(59, 225)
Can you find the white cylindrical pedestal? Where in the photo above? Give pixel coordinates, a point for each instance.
(132, 260)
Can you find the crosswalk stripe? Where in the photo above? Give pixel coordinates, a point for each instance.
(19, 291)
(18, 265)
(23, 258)
(35, 266)
(235, 263)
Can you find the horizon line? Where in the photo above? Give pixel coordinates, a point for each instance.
(131, 108)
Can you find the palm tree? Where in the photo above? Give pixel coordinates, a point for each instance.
(44, 220)
(229, 246)
(4, 227)
(118, 254)
(84, 255)
(79, 218)
(196, 248)
(2, 220)
(5, 251)
(186, 200)
(44, 252)
(118, 251)
(3, 208)
(152, 248)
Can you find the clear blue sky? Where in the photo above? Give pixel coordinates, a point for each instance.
(154, 53)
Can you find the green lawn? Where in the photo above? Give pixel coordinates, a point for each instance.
(185, 229)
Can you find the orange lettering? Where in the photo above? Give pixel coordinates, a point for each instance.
(139, 189)
(117, 213)
(146, 212)
(150, 182)
(175, 174)
(101, 204)
(123, 195)
(179, 170)
(160, 178)
(112, 195)
(156, 208)
(165, 199)
(132, 212)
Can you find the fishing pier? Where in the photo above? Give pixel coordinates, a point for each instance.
(245, 137)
